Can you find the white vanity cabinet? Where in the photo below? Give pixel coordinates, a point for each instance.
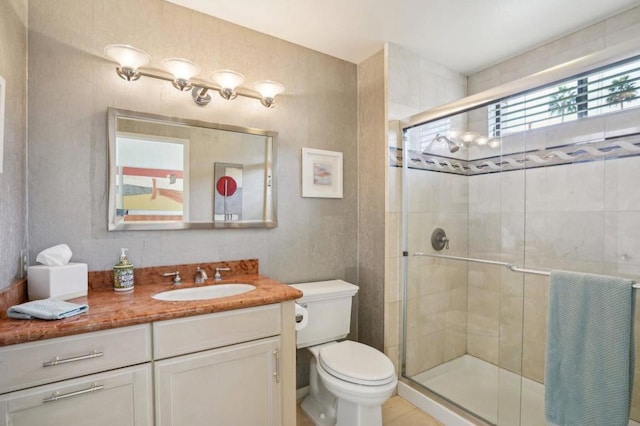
(235, 385)
(224, 369)
(231, 368)
(99, 378)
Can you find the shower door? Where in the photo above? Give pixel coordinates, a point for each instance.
(520, 186)
(464, 310)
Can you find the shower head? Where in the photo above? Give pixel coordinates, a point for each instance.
(453, 147)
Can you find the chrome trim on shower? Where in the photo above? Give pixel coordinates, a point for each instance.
(507, 265)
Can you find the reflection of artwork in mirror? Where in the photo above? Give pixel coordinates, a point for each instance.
(170, 173)
(151, 182)
(321, 173)
(228, 192)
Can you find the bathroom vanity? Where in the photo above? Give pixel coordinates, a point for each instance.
(230, 361)
(103, 378)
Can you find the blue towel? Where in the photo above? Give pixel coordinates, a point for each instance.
(589, 370)
(48, 309)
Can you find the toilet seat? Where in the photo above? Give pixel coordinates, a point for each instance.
(356, 363)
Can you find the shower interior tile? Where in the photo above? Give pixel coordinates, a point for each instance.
(576, 187)
(622, 123)
(621, 183)
(512, 192)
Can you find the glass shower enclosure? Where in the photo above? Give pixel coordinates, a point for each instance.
(495, 196)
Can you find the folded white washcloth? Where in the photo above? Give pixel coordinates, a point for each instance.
(47, 309)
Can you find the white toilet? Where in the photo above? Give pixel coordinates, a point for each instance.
(348, 381)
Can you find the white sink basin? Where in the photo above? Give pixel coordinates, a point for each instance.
(203, 293)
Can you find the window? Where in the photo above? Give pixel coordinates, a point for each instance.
(610, 89)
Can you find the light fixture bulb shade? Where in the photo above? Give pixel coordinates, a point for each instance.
(481, 140)
(469, 136)
(182, 69)
(268, 89)
(495, 142)
(228, 79)
(127, 56)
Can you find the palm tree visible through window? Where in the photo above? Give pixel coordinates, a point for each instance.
(621, 90)
(563, 102)
(602, 91)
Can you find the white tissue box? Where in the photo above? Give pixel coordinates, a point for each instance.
(57, 282)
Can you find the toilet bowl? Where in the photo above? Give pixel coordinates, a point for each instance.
(348, 381)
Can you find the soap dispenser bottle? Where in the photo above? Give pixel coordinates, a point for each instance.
(123, 273)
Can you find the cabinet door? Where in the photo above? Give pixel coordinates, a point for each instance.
(234, 386)
(120, 397)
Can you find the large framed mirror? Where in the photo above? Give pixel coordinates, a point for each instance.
(175, 173)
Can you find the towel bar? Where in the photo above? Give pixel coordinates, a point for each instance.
(509, 266)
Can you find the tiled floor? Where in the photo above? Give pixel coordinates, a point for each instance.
(395, 412)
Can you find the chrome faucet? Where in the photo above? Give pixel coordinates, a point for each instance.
(201, 276)
(176, 280)
(217, 276)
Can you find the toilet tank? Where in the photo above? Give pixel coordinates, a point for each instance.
(329, 311)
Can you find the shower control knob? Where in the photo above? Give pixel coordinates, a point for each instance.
(439, 239)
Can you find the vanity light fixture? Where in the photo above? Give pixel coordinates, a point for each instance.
(269, 90)
(129, 58)
(228, 81)
(183, 71)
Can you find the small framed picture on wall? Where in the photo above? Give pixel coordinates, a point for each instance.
(321, 173)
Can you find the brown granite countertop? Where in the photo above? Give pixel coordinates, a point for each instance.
(109, 309)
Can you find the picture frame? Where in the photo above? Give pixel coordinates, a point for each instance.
(3, 89)
(321, 173)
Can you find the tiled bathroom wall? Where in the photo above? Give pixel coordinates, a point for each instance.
(437, 290)
(415, 84)
(581, 216)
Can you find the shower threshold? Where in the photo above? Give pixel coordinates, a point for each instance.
(492, 393)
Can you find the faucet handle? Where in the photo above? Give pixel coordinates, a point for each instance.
(176, 280)
(217, 276)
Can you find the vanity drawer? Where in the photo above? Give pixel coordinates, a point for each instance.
(202, 332)
(36, 363)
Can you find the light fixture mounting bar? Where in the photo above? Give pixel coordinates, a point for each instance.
(199, 84)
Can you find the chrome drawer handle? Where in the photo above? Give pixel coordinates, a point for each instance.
(276, 374)
(57, 360)
(56, 396)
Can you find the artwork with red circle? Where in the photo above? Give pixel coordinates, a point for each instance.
(226, 186)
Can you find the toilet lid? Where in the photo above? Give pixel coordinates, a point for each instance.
(357, 363)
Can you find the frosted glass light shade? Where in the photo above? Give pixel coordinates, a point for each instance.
(495, 142)
(469, 136)
(228, 79)
(268, 89)
(182, 69)
(481, 140)
(127, 56)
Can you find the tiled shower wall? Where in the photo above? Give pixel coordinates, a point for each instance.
(582, 216)
(437, 290)
(413, 85)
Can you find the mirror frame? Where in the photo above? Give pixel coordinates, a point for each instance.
(115, 113)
